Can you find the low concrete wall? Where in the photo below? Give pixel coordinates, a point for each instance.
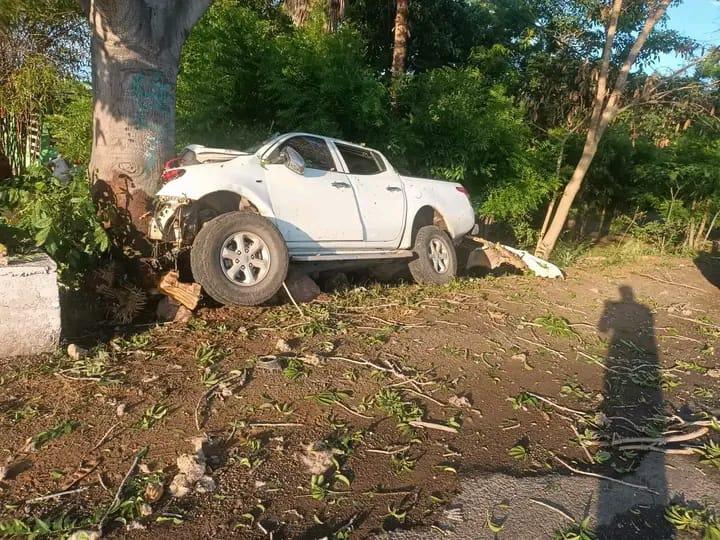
(29, 306)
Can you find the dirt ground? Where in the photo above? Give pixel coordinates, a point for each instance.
(504, 375)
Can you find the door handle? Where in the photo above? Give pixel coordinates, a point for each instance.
(393, 188)
(340, 185)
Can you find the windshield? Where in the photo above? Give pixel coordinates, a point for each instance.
(255, 147)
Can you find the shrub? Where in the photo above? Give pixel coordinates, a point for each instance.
(59, 218)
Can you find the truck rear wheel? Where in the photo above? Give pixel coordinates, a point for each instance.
(240, 259)
(435, 258)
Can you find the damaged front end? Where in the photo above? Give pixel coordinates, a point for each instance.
(175, 221)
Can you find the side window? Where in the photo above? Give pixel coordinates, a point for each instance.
(314, 151)
(361, 160)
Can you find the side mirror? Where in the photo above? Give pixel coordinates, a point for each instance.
(293, 160)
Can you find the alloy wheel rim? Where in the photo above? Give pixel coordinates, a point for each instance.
(439, 255)
(245, 259)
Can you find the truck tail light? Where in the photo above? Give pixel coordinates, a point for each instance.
(463, 190)
(174, 163)
(171, 174)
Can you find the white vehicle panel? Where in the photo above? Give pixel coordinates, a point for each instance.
(319, 206)
(379, 193)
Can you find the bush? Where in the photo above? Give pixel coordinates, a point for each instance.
(458, 126)
(59, 218)
(70, 127)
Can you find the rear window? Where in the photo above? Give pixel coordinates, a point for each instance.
(361, 160)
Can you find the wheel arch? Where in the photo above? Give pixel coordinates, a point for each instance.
(224, 201)
(428, 215)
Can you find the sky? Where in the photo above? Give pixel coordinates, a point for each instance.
(698, 19)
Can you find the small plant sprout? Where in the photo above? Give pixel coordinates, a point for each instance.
(401, 463)
(44, 437)
(152, 415)
(555, 326)
(518, 452)
(694, 520)
(710, 454)
(207, 355)
(576, 531)
(523, 401)
(575, 389)
(319, 488)
(294, 370)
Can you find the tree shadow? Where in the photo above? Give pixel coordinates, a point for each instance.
(633, 407)
(709, 266)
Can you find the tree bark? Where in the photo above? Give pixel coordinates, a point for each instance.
(135, 48)
(605, 110)
(298, 11)
(399, 60)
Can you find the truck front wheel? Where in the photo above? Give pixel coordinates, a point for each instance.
(435, 258)
(240, 258)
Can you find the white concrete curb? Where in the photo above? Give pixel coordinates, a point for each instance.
(29, 306)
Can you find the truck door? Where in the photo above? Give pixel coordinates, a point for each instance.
(319, 206)
(379, 192)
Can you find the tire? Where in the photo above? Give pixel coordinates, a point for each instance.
(230, 276)
(427, 268)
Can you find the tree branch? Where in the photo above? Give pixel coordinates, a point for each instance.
(621, 81)
(605, 65)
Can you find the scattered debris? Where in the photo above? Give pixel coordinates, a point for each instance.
(301, 287)
(283, 346)
(498, 255)
(154, 491)
(75, 352)
(187, 294)
(318, 457)
(462, 402)
(169, 310)
(83, 470)
(311, 360)
(269, 363)
(191, 473)
(236, 378)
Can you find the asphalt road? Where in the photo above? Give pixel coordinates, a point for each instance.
(616, 511)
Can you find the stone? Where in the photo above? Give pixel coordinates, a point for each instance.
(192, 467)
(283, 346)
(179, 487)
(318, 458)
(302, 287)
(169, 310)
(75, 352)
(205, 484)
(336, 281)
(29, 306)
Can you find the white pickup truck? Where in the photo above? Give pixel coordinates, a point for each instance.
(303, 198)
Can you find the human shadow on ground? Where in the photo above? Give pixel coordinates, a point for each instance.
(632, 406)
(709, 266)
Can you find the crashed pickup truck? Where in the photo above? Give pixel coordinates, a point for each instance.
(303, 198)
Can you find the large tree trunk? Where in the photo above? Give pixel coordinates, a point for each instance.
(402, 33)
(298, 10)
(135, 57)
